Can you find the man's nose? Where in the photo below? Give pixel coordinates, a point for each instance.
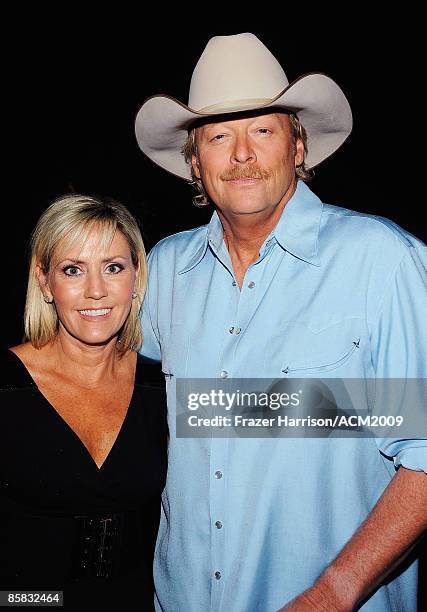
(243, 151)
(95, 286)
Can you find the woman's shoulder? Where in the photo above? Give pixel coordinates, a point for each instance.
(13, 373)
(149, 373)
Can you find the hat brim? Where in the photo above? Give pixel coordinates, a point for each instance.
(162, 122)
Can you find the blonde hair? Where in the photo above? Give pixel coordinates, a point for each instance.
(190, 148)
(70, 219)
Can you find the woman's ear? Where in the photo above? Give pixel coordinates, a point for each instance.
(44, 284)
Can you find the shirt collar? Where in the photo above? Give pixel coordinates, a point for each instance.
(213, 236)
(297, 230)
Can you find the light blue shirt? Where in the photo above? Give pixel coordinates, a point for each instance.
(247, 524)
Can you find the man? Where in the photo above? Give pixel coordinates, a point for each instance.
(276, 285)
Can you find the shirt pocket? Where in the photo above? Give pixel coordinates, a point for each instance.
(303, 350)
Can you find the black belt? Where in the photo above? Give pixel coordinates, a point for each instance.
(95, 547)
(105, 546)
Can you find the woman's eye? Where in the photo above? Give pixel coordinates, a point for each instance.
(114, 268)
(72, 271)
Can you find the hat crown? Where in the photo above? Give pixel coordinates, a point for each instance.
(232, 70)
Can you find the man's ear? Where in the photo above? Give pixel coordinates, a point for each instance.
(195, 165)
(299, 152)
(43, 283)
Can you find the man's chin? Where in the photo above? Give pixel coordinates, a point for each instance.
(255, 208)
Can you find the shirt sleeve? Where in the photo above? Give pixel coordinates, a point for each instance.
(149, 312)
(399, 352)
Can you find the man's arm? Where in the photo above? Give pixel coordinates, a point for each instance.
(395, 523)
(398, 333)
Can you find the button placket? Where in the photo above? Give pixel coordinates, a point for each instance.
(218, 492)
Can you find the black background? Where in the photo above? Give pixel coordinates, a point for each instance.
(72, 85)
(73, 92)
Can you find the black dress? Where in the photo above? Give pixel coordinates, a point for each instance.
(65, 523)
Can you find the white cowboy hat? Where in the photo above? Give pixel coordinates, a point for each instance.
(238, 73)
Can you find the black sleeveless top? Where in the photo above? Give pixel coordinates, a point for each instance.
(65, 523)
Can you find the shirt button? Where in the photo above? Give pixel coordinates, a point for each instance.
(231, 330)
(217, 575)
(218, 474)
(251, 285)
(237, 330)
(224, 374)
(234, 283)
(218, 525)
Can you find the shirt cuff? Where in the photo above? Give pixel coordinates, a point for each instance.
(413, 458)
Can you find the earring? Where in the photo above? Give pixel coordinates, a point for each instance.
(47, 300)
(134, 294)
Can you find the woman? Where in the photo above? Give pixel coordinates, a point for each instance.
(82, 418)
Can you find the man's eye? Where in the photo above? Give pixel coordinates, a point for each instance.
(264, 130)
(218, 137)
(72, 271)
(114, 268)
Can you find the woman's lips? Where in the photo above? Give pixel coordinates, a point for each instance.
(95, 314)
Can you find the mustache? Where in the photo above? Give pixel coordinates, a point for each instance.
(242, 172)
